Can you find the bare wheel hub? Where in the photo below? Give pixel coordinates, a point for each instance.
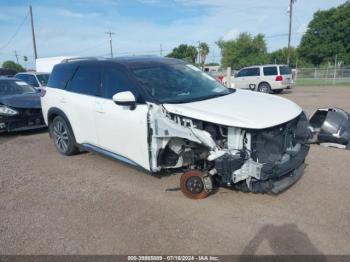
(195, 184)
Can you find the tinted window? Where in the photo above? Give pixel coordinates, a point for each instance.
(12, 87)
(242, 73)
(253, 71)
(249, 72)
(270, 71)
(87, 81)
(22, 77)
(32, 81)
(43, 78)
(60, 76)
(285, 70)
(114, 81)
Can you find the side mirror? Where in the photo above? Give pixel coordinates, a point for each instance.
(125, 98)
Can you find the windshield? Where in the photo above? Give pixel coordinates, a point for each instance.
(178, 83)
(285, 70)
(11, 87)
(43, 78)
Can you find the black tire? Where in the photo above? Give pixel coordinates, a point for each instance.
(63, 137)
(278, 91)
(264, 88)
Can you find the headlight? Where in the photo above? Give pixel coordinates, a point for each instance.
(6, 111)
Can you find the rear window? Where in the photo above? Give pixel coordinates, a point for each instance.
(285, 70)
(270, 70)
(60, 76)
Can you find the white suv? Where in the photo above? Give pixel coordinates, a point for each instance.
(162, 114)
(265, 78)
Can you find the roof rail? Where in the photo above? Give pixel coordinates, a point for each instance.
(67, 60)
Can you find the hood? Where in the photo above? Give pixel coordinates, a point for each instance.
(245, 109)
(30, 100)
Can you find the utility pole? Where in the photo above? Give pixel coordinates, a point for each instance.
(291, 2)
(161, 50)
(33, 33)
(110, 41)
(16, 55)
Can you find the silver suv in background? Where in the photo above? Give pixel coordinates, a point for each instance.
(264, 78)
(35, 79)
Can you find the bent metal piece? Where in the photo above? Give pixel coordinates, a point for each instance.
(331, 127)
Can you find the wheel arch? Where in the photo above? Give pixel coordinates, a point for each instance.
(54, 112)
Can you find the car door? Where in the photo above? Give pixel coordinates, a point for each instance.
(239, 79)
(121, 130)
(78, 102)
(252, 78)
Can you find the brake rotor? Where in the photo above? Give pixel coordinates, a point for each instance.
(192, 184)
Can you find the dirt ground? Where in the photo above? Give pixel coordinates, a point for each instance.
(88, 204)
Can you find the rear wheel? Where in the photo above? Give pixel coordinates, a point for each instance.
(63, 137)
(264, 88)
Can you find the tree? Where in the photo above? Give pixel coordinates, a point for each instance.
(187, 52)
(12, 65)
(244, 51)
(203, 52)
(328, 35)
(280, 56)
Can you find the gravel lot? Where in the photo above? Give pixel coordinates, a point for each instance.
(88, 204)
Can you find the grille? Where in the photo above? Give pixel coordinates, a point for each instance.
(29, 112)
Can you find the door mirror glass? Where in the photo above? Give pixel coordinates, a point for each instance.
(125, 98)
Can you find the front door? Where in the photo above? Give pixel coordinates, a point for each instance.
(121, 130)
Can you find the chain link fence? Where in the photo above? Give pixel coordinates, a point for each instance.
(322, 76)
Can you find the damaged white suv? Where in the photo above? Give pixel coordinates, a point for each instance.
(164, 114)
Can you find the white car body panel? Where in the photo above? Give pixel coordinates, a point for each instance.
(122, 131)
(240, 109)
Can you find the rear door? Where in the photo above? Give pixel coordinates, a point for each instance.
(121, 130)
(270, 73)
(79, 102)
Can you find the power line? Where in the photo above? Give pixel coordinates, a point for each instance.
(15, 33)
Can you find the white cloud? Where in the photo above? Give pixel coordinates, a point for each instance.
(231, 35)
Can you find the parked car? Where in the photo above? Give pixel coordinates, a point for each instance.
(164, 114)
(265, 78)
(20, 107)
(5, 72)
(35, 79)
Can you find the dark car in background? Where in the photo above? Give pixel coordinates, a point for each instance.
(20, 107)
(35, 79)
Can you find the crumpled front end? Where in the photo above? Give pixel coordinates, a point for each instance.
(257, 160)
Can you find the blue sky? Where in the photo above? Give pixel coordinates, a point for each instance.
(77, 27)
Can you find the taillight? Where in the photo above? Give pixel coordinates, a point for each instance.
(42, 91)
(279, 78)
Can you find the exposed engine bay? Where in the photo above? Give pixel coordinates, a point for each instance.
(261, 161)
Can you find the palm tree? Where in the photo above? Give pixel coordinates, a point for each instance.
(203, 52)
